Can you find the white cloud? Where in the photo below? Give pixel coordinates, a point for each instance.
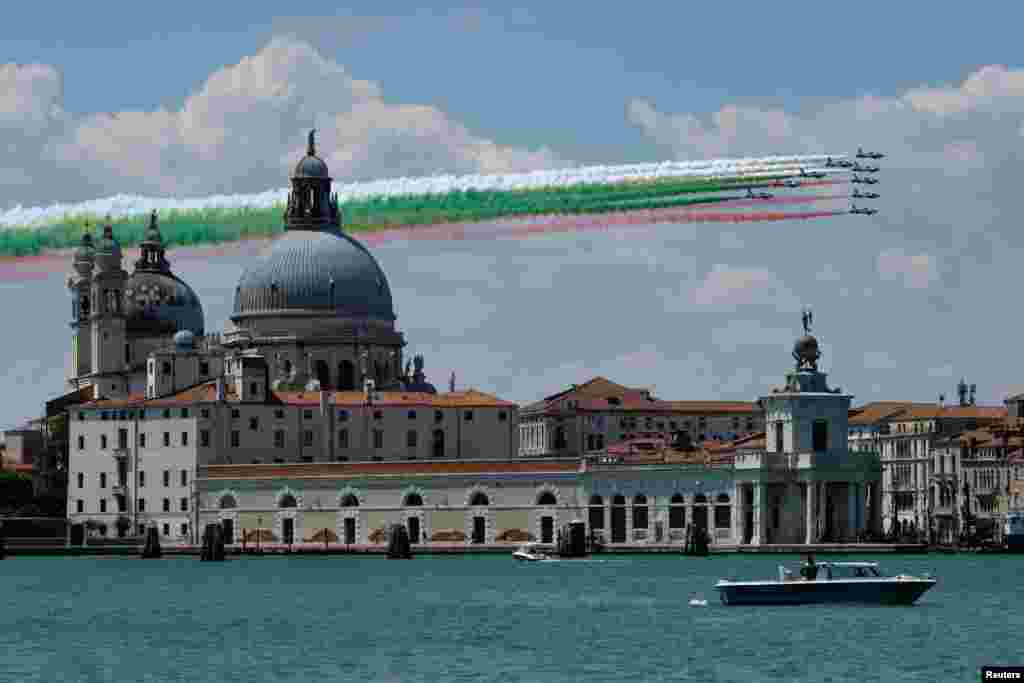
(728, 287)
(916, 271)
(239, 132)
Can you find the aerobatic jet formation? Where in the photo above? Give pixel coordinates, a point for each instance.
(857, 168)
(758, 195)
(864, 181)
(842, 163)
(866, 212)
(861, 154)
(857, 194)
(812, 174)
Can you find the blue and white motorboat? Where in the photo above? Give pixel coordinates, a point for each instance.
(530, 552)
(832, 582)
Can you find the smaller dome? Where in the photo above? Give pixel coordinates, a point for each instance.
(108, 250)
(806, 349)
(84, 255)
(184, 340)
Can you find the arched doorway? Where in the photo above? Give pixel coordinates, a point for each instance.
(227, 524)
(640, 512)
(323, 374)
(346, 376)
(619, 519)
(288, 502)
(700, 512)
(479, 499)
(723, 512)
(349, 500)
(677, 512)
(412, 521)
(596, 513)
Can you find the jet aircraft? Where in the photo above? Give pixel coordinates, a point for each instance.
(842, 163)
(861, 154)
(857, 168)
(790, 183)
(758, 195)
(857, 194)
(864, 181)
(812, 174)
(866, 212)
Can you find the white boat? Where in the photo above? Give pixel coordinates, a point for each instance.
(835, 582)
(529, 553)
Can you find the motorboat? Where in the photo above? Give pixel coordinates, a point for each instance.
(830, 582)
(529, 552)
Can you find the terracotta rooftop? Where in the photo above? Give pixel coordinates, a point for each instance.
(895, 411)
(207, 392)
(341, 470)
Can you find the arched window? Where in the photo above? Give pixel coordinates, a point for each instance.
(346, 375)
(546, 498)
(323, 375)
(722, 498)
(479, 498)
(596, 500)
(413, 500)
(438, 447)
(349, 500)
(228, 502)
(700, 498)
(619, 500)
(288, 501)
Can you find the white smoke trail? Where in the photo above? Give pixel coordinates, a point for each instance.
(133, 205)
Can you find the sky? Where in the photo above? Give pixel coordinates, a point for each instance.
(189, 99)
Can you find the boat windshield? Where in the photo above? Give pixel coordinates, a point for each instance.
(849, 571)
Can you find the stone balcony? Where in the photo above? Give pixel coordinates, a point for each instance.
(119, 490)
(122, 453)
(750, 460)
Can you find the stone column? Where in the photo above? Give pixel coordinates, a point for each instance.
(852, 510)
(737, 510)
(810, 513)
(760, 514)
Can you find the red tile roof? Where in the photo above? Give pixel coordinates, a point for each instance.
(895, 411)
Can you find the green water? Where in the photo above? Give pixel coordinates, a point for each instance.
(487, 619)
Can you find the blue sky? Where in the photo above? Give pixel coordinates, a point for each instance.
(198, 98)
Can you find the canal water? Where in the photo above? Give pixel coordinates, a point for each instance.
(487, 618)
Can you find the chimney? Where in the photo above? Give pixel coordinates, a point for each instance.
(974, 389)
(942, 400)
(219, 396)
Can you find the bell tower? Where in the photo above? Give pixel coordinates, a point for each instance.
(80, 286)
(107, 317)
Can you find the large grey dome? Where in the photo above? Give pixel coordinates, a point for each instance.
(317, 271)
(311, 167)
(159, 304)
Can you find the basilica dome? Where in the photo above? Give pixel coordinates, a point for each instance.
(160, 304)
(315, 271)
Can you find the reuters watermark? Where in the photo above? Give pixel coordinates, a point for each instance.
(1002, 673)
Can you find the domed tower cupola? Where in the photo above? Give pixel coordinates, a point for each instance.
(108, 250)
(85, 255)
(311, 206)
(153, 253)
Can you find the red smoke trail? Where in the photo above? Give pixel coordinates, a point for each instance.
(787, 199)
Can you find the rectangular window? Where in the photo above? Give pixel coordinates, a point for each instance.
(122, 438)
(307, 437)
(205, 413)
(184, 438)
(80, 505)
(167, 413)
(184, 412)
(167, 439)
(167, 504)
(167, 529)
(438, 416)
(412, 414)
(235, 413)
(167, 478)
(204, 368)
(234, 438)
(503, 416)
(254, 424)
(81, 443)
(278, 414)
(342, 415)
(184, 477)
(204, 438)
(279, 438)
(184, 529)
(410, 439)
(343, 438)
(307, 414)
(468, 416)
(183, 503)
(103, 480)
(378, 415)
(378, 438)
(103, 441)
(142, 504)
(254, 388)
(103, 504)
(819, 436)
(142, 479)
(142, 439)
(779, 440)
(307, 458)
(122, 504)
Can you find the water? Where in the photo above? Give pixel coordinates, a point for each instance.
(487, 619)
